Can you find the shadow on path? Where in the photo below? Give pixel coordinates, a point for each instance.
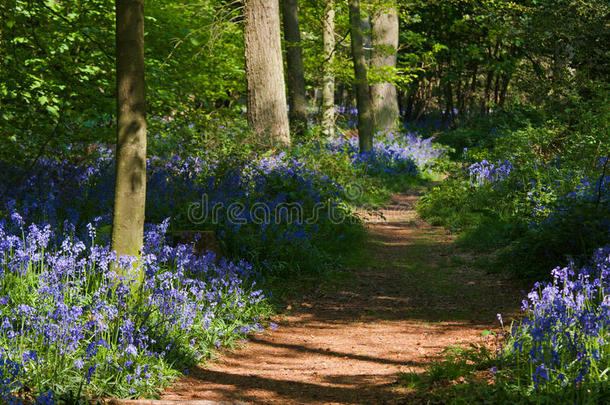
(414, 295)
(244, 388)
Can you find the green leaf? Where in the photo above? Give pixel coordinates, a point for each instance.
(53, 110)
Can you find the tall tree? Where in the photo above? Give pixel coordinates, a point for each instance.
(328, 89)
(361, 83)
(385, 45)
(130, 188)
(294, 66)
(267, 113)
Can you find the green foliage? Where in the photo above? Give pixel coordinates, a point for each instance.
(56, 74)
(479, 134)
(195, 59)
(474, 57)
(540, 212)
(57, 88)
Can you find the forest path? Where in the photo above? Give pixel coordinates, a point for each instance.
(416, 295)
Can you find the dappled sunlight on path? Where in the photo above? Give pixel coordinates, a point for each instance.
(413, 296)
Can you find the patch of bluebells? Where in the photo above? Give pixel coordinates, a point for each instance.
(348, 114)
(58, 190)
(594, 190)
(73, 313)
(556, 195)
(10, 380)
(84, 193)
(67, 312)
(266, 228)
(53, 192)
(11, 375)
(578, 221)
(393, 154)
(564, 338)
(485, 172)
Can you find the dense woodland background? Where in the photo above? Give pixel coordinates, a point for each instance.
(114, 123)
(456, 61)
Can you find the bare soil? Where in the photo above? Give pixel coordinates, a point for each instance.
(414, 295)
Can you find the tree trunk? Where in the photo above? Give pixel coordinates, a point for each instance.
(472, 91)
(267, 113)
(459, 97)
(497, 90)
(294, 66)
(328, 90)
(485, 100)
(507, 78)
(314, 100)
(385, 46)
(449, 106)
(130, 186)
(361, 83)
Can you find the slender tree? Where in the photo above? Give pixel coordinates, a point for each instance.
(361, 84)
(384, 48)
(294, 66)
(267, 113)
(130, 188)
(328, 89)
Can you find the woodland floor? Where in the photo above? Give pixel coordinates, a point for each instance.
(415, 294)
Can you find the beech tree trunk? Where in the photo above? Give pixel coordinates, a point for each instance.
(384, 48)
(130, 187)
(361, 84)
(328, 89)
(267, 112)
(294, 65)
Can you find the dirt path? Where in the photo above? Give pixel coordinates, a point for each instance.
(347, 345)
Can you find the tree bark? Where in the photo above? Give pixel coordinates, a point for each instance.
(384, 48)
(449, 106)
(294, 66)
(130, 186)
(497, 90)
(328, 89)
(472, 91)
(504, 89)
(485, 100)
(266, 98)
(361, 84)
(459, 96)
(314, 98)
